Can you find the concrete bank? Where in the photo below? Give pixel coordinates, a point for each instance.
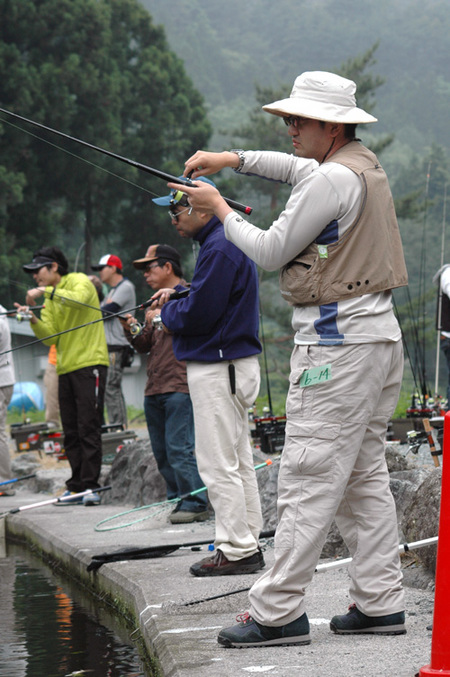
(183, 638)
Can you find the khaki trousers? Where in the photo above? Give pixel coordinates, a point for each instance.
(223, 450)
(51, 395)
(333, 466)
(6, 394)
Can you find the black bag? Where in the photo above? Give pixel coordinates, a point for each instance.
(127, 357)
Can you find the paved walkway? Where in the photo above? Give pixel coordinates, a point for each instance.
(183, 638)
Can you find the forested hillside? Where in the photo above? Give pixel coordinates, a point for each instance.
(229, 47)
(152, 80)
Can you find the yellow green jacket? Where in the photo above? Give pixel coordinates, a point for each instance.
(63, 310)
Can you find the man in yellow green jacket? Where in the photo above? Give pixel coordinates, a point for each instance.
(70, 300)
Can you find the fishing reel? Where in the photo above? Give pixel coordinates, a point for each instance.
(26, 315)
(157, 323)
(418, 437)
(135, 328)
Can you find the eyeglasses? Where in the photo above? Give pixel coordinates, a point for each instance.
(293, 120)
(174, 215)
(150, 266)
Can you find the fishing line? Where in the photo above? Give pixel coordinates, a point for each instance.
(51, 501)
(416, 363)
(80, 326)
(79, 157)
(336, 564)
(142, 306)
(54, 293)
(184, 181)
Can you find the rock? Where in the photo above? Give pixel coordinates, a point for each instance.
(395, 459)
(25, 464)
(334, 545)
(50, 481)
(404, 483)
(421, 520)
(267, 484)
(134, 476)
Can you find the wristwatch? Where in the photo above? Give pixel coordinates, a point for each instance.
(241, 155)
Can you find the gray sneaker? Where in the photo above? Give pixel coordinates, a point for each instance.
(355, 622)
(188, 516)
(92, 499)
(249, 633)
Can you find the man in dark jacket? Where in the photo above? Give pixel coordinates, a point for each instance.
(215, 329)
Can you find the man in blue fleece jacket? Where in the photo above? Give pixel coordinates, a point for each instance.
(215, 330)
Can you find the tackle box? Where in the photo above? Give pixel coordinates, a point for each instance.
(27, 436)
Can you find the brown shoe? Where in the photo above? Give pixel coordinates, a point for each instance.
(219, 565)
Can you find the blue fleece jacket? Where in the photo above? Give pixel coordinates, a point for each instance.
(219, 319)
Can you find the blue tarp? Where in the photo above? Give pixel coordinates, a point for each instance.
(27, 395)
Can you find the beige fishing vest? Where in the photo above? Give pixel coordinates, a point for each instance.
(369, 256)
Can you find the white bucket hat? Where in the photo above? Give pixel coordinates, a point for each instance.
(322, 96)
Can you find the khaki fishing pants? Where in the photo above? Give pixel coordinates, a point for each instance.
(333, 466)
(223, 450)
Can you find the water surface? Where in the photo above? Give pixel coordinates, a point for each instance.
(49, 628)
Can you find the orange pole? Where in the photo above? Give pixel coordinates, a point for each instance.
(440, 642)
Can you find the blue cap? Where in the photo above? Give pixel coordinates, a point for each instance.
(175, 196)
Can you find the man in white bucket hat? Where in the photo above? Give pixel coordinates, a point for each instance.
(339, 252)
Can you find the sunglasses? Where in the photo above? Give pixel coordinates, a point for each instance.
(174, 215)
(291, 120)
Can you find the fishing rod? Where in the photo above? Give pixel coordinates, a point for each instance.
(405, 547)
(53, 501)
(142, 306)
(266, 368)
(440, 293)
(58, 296)
(14, 311)
(18, 479)
(82, 159)
(421, 348)
(418, 387)
(144, 168)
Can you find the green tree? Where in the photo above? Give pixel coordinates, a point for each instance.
(100, 71)
(367, 84)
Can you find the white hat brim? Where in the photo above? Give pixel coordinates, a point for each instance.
(319, 111)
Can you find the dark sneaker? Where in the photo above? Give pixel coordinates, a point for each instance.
(91, 499)
(76, 500)
(249, 633)
(219, 565)
(355, 622)
(187, 516)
